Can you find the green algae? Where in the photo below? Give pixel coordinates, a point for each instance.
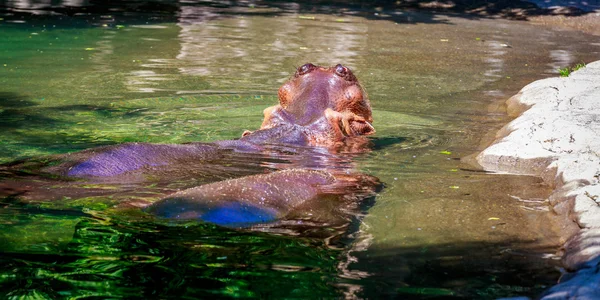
(118, 260)
(35, 233)
(52, 129)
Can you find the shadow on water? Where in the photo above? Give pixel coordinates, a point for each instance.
(15, 113)
(31, 125)
(103, 257)
(12, 101)
(142, 260)
(85, 13)
(384, 142)
(468, 270)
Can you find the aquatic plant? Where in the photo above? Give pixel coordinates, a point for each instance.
(566, 71)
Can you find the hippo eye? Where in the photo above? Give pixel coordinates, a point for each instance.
(306, 68)
(341, 70)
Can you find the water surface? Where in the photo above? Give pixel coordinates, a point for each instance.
(83, 76)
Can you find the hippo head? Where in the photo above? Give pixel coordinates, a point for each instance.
(328, 102)
(313, 89)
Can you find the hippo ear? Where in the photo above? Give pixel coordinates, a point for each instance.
(361, 127)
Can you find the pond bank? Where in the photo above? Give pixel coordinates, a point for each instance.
(555, 136)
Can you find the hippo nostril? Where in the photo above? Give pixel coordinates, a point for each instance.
(341, 70)
(306, 68)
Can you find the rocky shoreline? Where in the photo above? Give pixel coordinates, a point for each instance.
(556, 136)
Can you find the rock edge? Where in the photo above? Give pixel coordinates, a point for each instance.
(556, 136)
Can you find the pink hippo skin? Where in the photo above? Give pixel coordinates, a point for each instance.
(321, 120)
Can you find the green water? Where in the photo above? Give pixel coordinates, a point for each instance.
(192, 72)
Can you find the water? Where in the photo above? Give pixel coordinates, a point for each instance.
(78, 76)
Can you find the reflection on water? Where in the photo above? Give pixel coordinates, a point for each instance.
(221, 50)
(191, 71)
(561, 58)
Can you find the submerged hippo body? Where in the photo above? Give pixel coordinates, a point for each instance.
(320, 110)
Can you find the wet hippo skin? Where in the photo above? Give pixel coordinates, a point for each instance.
(328, 103)
(319, 107)
(322, 118)
(246, 200)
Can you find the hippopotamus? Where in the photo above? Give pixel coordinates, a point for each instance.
(298, 160)
(326, 105)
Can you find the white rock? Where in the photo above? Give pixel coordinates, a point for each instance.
(557, 136)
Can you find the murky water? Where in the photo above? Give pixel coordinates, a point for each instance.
(86, 76)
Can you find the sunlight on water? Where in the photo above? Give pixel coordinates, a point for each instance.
(187, 72)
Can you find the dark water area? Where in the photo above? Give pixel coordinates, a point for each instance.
(81, 74)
